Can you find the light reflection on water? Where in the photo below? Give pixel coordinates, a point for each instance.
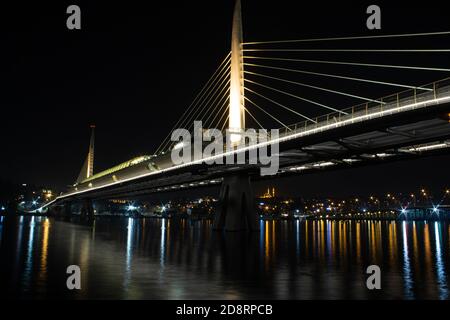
(440, 267)
(406, 264)
(128, 258)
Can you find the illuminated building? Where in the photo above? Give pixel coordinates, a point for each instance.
(268, 194)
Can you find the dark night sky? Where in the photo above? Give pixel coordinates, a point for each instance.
(133, 69)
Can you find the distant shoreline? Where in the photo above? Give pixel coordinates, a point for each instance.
(25, 214)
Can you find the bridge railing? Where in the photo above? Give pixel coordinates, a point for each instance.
(394, 102)
(387, 104)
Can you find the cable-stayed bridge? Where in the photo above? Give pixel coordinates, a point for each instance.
(276, 84)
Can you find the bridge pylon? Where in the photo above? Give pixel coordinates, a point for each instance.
(87, 170)
(236, 120)
(236, 210)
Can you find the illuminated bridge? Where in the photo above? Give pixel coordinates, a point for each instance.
(250, 88)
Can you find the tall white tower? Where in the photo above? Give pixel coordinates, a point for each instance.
(236, 121)
(87, 170)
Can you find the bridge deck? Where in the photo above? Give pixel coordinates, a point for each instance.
(439, 92)
(317, 154)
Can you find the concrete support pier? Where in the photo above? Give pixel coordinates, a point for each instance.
(67, 211)
(236, 210)
(88, 209)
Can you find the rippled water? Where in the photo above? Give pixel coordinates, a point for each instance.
(129, 258)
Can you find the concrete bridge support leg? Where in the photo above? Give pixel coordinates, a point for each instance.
(236, 211)
(88, 209)
(67, 209)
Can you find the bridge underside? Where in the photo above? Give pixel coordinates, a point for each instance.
(415, 134)
(389, 141)
(404, 136)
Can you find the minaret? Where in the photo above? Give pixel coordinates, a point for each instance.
(237, 101)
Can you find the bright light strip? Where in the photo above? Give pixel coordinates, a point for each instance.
(290, 137)
(384, 155)
(428, 148)
(324, 164)
(351, 160)
(299, 168)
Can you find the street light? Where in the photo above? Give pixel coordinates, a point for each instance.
(131, 207)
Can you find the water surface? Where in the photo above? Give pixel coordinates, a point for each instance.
(125, 258)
